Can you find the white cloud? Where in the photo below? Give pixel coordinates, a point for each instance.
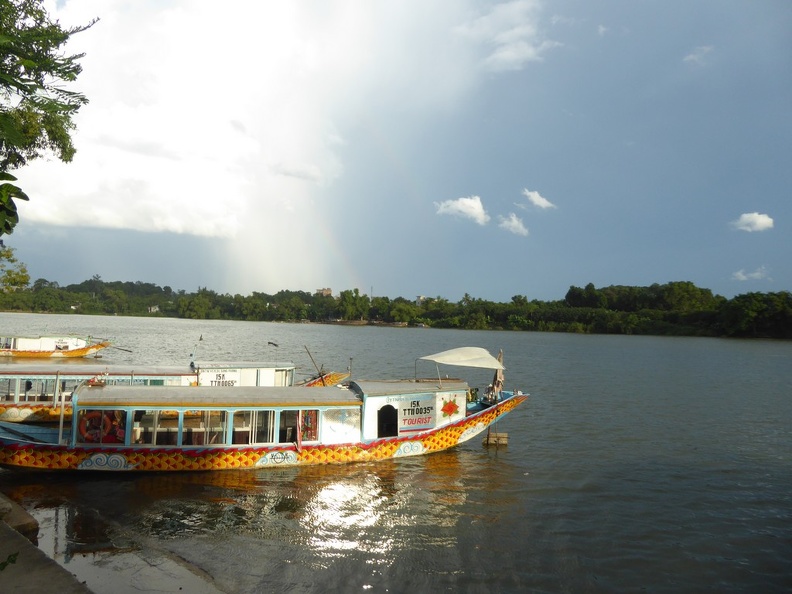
(513, 224)
(467, 208)
(753, 221)
(235, 124)
(511, 30)
(537, 200)
(758, 274)
(601, 30)
(181, 136)
(698, 55)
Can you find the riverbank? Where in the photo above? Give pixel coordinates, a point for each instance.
(31, 571)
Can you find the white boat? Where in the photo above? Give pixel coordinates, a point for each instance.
(29, 391)
(177, 428)
(45, 347)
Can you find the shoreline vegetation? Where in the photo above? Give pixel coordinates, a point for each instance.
(672, 309)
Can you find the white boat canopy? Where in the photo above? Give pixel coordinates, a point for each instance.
(466, 357)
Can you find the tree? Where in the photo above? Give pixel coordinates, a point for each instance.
(353, 305)
(36, 110)
(404, 312)
(13, 274)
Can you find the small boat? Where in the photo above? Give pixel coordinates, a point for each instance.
(44, 347)
(176, 428)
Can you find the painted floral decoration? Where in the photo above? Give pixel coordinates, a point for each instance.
(450, 408)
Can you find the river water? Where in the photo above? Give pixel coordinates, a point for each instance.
(637, 464)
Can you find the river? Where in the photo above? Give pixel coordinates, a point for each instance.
(638, 464)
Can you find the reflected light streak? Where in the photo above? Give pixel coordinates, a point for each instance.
(339, 515)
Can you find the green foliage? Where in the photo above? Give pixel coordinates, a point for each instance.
(673, 309)
(353, 305)
(8, 210)
(13, 274)
(36, 109)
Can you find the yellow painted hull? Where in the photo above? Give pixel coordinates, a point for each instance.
(34, 412)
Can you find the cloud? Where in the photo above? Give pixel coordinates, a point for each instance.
(511, 30)
(467, 208)
(697, 56)
(758, 274)
(513, 224)
(753, 221)
(181, 137)
(601, 30)
(537, 200)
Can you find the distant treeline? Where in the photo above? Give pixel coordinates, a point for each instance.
(676, 308)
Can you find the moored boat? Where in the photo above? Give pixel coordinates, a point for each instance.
(174, 428)
(30, 392)
(45, 347)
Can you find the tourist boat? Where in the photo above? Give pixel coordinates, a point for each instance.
(175, 428)
(29, 392)
(44, 347)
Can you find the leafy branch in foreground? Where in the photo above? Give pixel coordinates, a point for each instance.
(8, 210)
(36, 110)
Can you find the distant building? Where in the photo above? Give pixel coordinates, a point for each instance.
(420, 300)
(323, 293)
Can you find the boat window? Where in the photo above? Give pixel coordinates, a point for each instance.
(283, 377)
(306, 420)
(101, 426)
(202, 427)
(340, 425)
(156, 427)
(287, 431)
(310, 425)
(167, 427)
(254, 426)
(144, 423)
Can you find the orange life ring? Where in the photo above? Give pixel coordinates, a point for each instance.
(93, 431)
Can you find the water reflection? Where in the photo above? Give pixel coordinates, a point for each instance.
(374, 511)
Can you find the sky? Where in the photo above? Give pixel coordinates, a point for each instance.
(414, 148)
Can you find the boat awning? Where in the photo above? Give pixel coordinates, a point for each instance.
(466, 357)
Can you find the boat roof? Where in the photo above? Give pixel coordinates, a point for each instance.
(88, 370)
(406, 387)
(244, 365)
(205, 396)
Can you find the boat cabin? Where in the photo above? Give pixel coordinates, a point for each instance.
(40, 382)
(220, 416)
(177, 416)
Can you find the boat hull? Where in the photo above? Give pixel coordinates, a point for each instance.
(27, 454)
